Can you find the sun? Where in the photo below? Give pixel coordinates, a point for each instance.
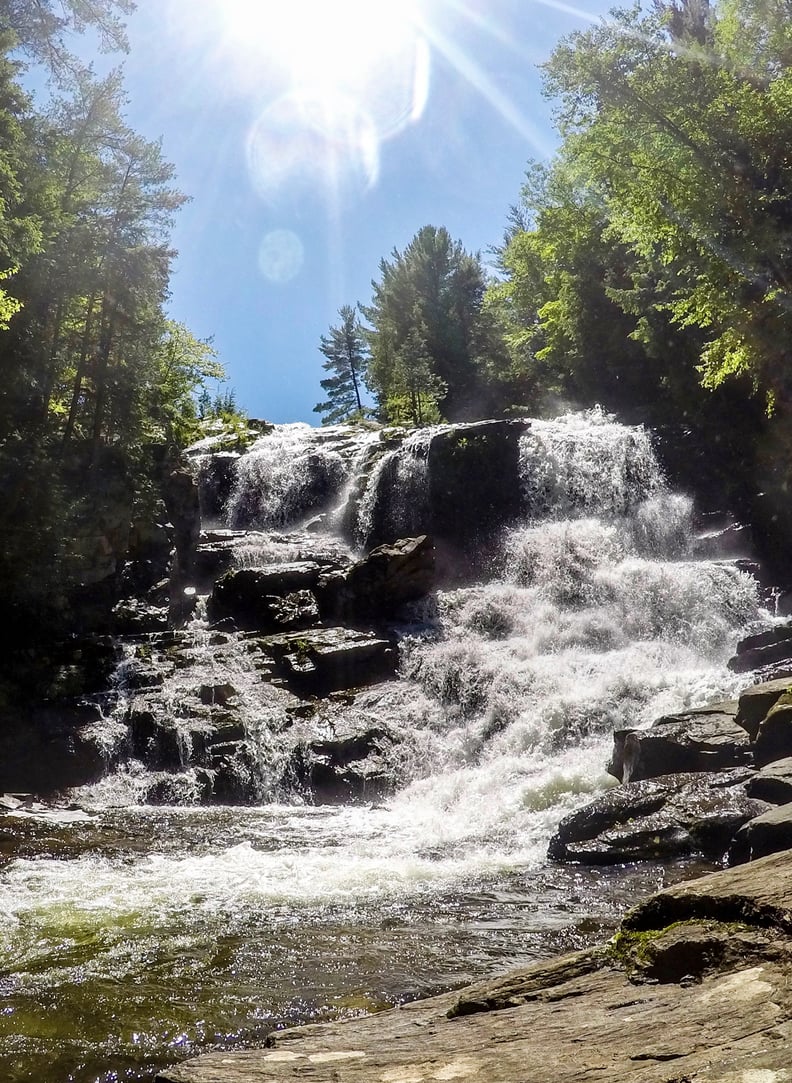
(334, 44)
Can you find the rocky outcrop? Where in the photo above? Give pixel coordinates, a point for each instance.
(465, 486)
(763, 650)
(697, 985)
(325, 660)
(277, 597)
(658, 819)
(710, 805)
(377, 587)
(705, 739)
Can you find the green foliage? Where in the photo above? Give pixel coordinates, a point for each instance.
(679, 120)
(94, 374)
(346, 353)
(429, 333)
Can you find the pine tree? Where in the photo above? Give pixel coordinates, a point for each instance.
(345, 350)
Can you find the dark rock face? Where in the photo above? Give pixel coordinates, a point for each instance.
(705, 739)
(277, 597)
(659, 818)
(764, 649)
(474, 479)
(325, 660)
(349, 765)
(216, 476)
(48, 751)
(470, 487)
(380, 584)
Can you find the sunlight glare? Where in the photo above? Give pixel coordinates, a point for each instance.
(337, 78)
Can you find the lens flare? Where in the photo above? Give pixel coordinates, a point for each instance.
(281, 256)
(301, 140)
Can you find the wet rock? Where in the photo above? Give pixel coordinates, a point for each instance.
(216, 474)
(229, 777)
(732, 540)
(763, 649)
(380, 584)
(773, 783)
(659, 818)
(705, 739)
(134, 617)
(469, 487)
(271, 598)
(214, 554)
(155, 738)
(220, 694)
(766, 834)
(329, 659)
(755, 702)
(348, 763)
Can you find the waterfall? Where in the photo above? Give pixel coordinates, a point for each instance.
(292, 472)
(595, 615)
(395, 500)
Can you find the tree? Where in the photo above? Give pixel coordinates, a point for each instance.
(41, 29)
(345, 351)
(680, 120)
(429, 328)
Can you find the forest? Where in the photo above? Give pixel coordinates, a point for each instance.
(99, 386)
(645, 268)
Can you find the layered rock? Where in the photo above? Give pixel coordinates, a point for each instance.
(705, 739)
(658, 819)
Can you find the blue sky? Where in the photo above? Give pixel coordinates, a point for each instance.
(314, 136)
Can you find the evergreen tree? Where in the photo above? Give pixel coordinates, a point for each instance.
(345, 350)
(429, 304)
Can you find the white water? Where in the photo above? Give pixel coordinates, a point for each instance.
(595, 622)
(596, 618)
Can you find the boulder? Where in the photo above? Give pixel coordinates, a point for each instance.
(774, 737)
(768, 833)
(705, 739)
(763, 649)
(659, 818)
(773, 783)
(380, 584)
(756, 701)
(326, 660)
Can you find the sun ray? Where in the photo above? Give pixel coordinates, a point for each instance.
(482, 82)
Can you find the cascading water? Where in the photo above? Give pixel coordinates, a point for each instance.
(209, 919)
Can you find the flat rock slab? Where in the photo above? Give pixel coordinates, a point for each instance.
(581, 1018)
